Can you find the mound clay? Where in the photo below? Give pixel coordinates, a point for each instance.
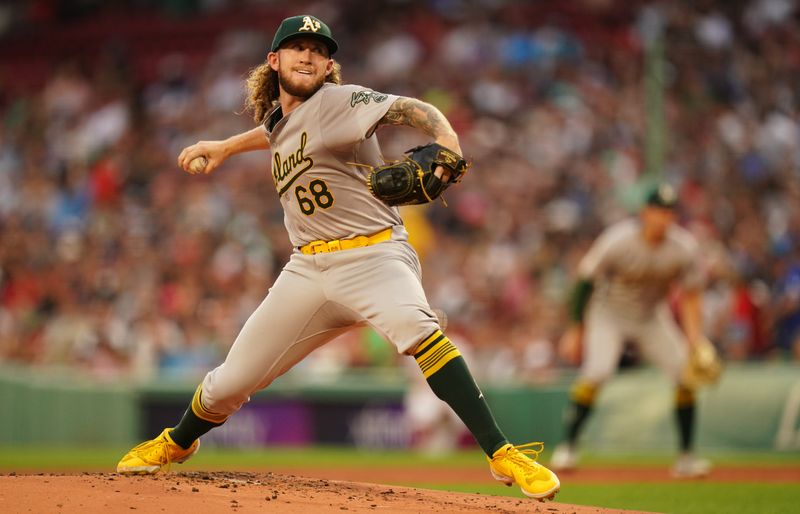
(243, 492)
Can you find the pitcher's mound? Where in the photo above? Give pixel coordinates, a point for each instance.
(227, 492)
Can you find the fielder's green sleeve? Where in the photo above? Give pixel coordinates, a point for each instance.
(579, 298)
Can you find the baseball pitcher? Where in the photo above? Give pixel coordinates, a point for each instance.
(352, 263)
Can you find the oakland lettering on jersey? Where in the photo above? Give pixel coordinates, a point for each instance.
(365, 97)
(283, 168)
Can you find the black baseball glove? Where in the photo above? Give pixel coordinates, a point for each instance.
(411, 181)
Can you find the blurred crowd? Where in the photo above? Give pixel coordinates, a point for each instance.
(113, 260)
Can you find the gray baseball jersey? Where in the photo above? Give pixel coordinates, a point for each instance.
(323, 195)
(319, 296)
(632, 280)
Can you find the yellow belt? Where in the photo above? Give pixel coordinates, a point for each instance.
(315, 247)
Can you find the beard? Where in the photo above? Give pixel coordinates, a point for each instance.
(300, 90)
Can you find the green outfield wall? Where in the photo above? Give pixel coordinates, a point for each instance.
(754, 407)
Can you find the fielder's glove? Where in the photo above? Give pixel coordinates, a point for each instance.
(703, 366)
(411, 181)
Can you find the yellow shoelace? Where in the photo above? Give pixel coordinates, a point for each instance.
(524, 455)
(529, 450)
(146, 450)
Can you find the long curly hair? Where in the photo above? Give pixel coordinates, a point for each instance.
(263, 91)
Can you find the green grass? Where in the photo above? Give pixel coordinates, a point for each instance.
(704, 497)
(743, 458)
(64, 458)
(673, 498)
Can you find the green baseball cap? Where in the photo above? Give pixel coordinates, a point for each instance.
(304, 25)
(663, 195)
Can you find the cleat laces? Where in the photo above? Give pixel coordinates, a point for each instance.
(524, 457)
(155, 451)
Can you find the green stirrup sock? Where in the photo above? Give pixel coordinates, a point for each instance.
(449, 378)
(684, 415)
(190, 428)
(192, 425)
(576, 417)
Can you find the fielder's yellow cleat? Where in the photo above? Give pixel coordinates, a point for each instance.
(153, 455)
(512, 464)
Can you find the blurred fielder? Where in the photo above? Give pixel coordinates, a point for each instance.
(622, 295)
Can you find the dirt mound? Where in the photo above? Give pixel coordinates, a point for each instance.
(242, 492)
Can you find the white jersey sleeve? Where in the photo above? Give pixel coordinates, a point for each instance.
(600, 256)
(693, 276)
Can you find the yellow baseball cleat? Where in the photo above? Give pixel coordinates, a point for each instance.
(512, 464)
(150, 456)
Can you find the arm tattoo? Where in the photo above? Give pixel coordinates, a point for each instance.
(418, 114)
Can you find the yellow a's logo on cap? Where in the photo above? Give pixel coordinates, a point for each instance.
(310, 23)
(667, 194)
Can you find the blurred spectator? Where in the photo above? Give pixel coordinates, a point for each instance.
(110, 259)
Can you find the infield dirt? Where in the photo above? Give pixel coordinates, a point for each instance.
(244, 492)
(313, 490)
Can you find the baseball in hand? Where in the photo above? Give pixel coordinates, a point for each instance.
(198, 164)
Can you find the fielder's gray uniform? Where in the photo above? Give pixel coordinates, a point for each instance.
(631, 282)
(319, 296)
